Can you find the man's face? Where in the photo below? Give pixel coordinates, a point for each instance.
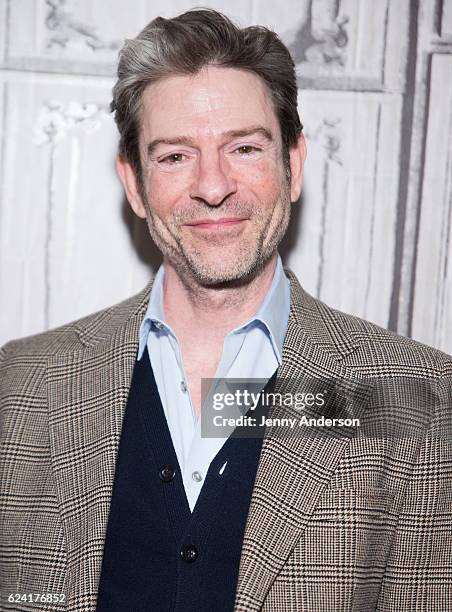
(216, 193)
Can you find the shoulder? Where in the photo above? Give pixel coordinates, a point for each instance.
(76, 335)
(411, 382)
(389, 352)
(365, 348)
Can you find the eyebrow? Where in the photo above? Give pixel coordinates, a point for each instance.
(229, 135)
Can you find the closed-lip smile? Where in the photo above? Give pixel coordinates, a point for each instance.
(211, 223)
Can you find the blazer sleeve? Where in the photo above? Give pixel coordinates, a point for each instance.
(418, 573)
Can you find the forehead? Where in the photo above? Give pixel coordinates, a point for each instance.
(214, 100)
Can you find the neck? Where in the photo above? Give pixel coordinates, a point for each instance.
(216, 310)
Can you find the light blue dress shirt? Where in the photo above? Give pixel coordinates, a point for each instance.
(252, 350)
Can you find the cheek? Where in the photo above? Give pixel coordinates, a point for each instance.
(264, 180)
(164, 191)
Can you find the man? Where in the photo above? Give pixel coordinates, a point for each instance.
(112, 499)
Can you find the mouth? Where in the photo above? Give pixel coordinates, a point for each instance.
(223, 223)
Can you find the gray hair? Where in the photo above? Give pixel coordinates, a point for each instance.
(186, 44)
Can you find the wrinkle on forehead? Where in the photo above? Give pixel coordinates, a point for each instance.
(212, 100)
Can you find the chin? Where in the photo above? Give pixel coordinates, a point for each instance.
(221, 276)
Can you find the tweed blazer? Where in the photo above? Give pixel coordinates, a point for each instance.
(352, 522)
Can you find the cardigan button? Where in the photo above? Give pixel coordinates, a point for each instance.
(189, 553)
(166, 473)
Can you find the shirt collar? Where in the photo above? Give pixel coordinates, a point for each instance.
(154, 318)
(272, 314)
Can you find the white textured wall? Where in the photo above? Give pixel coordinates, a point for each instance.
(372, 233)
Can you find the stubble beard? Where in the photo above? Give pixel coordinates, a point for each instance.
(248, 256)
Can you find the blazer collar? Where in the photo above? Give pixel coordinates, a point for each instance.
(100, 328)
(317, 322)
(87, 395)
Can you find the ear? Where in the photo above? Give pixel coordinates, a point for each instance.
(297, 157)
(129, 181)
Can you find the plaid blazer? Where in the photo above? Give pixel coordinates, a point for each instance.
(336, 522)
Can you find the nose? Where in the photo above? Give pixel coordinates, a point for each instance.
(213, 182)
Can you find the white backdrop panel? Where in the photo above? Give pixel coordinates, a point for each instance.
(346, 233)
(372, 234)
(65, 230)
(432, 313)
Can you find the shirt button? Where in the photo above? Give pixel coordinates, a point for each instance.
(166, 473)
(183, 386)
(158, 325)
(189, 553)
(197, 476)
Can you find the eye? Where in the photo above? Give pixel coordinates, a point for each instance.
(246, 150)
(174, 158)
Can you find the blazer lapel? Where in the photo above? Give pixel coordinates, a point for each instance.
(293, 469)
(87, 394)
